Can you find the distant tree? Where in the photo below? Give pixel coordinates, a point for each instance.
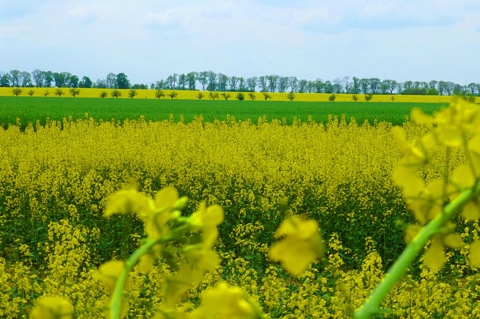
(282, 84)
(46, 93)
(74, 92)
(433, 91)
(213, 95)
(384, 86)
(192, 80)
(59, 78)
(103, 94)
(368, 97)
(272, 82)
(222, 82)
(266, 96)
(182, 82)
(152, 86)
(122, 81)
(202, 77)
(470, 98)
(355, 85)
(240, 96)
(327, 87)
(73, 81)
(332, 97)
(232, 83)
(337, 86)
(85, 82)
(4, 80)
(226, 96)
(200, 95)
(16, 91)
(262, 82)
(252, 96)
(31, 92)
(355, 97)
(293, 83)
(59, 92)
(374, 85)
(173, 94)
(364, 85)
(291, 96)
(159, 94)
(14, 76)
(100, 84)
(110, 81)
(132, 93)
(241, 84)
(38, 77)
(48, 79)
(116, 93)
(302, 86)
(393, 98)
(212, 81)
(252, 83)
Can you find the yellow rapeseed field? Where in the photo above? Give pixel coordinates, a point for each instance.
(55, 179)
(188, 95)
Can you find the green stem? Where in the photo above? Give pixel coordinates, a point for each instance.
(372, 303)
(116, 301)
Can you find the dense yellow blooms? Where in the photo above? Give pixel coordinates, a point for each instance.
(60, 177)
(192, 95)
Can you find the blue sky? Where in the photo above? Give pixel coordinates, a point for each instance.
(148, 40)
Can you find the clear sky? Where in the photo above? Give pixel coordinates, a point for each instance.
(418, 40)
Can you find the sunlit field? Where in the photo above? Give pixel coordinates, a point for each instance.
(193, 95)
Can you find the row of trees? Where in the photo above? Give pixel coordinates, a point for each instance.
(211, 81)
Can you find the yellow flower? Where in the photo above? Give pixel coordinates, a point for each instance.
(203, 255)
(52, 308)
(109, 272)
(206, 217)
(224, 302)
(128, 201)
(301, 245)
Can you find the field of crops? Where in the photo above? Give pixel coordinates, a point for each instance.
(31, 109)
(56, 178)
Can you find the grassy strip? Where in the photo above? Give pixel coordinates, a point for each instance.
(31, 109)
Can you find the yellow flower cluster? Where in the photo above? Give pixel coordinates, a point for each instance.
(56, 181)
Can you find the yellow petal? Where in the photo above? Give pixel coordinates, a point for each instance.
(450, 135)
(474, 255)
(435, 256)
(294, 254)
(419, 117)
(411, 232)
(166, 197)
(471, 211)
(453, 240)
(463, 176)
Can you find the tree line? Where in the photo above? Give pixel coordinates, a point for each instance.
(211, 81)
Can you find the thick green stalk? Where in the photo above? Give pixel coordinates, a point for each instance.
(372, 303)
(116, 301)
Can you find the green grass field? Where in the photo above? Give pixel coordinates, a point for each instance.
(31, 109)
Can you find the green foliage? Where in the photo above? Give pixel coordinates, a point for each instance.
(46, 93)
(173, 94)
(74, 92)
(31, 92)
(132, 93)
(116, 93)
(159, 94)
(354, 97)
(266, 96)
(252, 96)
(36, 108)
(368, 97)
(59, 92)
(16, 91)
(103, 94)
(200, 95)
(291, 96)
(332, 97)
(240, 96)
(213, 95)
(225, 95)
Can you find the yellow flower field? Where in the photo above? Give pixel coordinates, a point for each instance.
(55, 180)
(187, 95)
